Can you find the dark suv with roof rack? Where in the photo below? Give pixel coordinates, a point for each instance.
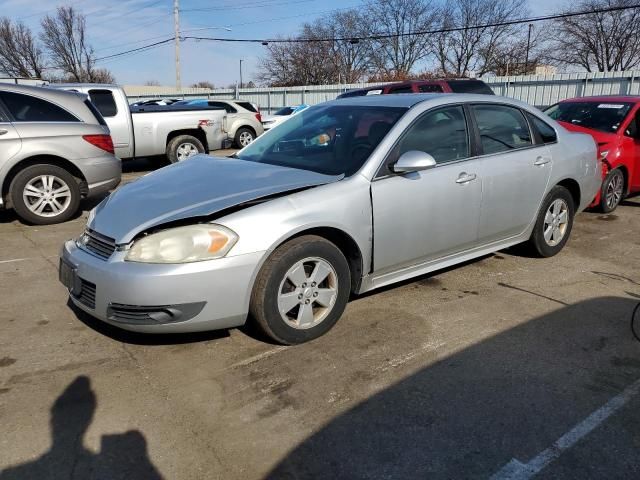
(452, 85)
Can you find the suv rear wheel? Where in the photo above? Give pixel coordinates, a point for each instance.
(244, 136)
(45, 194)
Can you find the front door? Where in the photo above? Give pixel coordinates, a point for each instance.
(426, 215)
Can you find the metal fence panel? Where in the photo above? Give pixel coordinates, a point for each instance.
(539, 90)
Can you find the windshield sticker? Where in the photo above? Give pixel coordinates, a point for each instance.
(615, 106)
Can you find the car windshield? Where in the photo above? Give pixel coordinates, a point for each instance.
(328, 139)
(601, 116)
(285, 111)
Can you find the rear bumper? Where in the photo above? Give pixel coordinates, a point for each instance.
(101, 173)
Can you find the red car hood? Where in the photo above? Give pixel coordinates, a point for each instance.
(601, 138)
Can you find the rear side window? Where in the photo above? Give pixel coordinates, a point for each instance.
(95, 112)
(546, 132)
(26, 108)
(430, 88)
(104, 102)
(248, 106)
(502, 128)
(469, 86)
(401, 89)
(226, 106)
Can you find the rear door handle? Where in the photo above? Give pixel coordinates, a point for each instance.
(465, 177)
(541, 161)
(3, 131)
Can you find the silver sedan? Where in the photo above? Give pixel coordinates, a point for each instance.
(344, 198)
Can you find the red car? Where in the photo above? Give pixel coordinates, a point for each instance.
(613, 121)
(445, 85)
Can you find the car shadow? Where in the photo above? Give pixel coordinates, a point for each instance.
(144, 164)
(146, 339)
(511, 395)
(121, 456)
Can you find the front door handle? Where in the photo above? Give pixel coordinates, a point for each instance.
(541, 161)
(3, 131)
(465, 177)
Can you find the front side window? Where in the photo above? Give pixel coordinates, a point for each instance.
(502, 128)
(601, 116)
(104, 102)
(26, 108)
(441, 133)
(328, 139)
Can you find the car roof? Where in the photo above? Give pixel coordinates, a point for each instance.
(408, 100)
(43, 92)
(605, 98)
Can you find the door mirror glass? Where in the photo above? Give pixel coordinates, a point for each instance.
(413, 161)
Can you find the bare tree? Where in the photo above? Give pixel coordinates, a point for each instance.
(20, 54)
(203, 84)
(475, 36)
(520, 54)
(396, 55)
(64, 37)
(602, 42)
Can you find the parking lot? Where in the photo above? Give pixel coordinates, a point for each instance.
(509, 366)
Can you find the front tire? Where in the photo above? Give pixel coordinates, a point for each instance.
(301, 290)
(554, 223)
(612, 191)
(182, 147)
(45, 194)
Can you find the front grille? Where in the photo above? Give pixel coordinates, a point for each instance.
(98, 244)
(87, 295)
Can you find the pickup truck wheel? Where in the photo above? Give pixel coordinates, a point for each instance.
(244, 137)
(612, 191)
(553, 225)
(301, 290)
(182, 147)
(45, 194)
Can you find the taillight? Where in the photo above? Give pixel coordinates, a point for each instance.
(259, 117)
(101, 141)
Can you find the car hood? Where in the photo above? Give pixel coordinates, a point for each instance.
(197, 187)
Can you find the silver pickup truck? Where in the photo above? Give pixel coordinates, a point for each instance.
(176, 133)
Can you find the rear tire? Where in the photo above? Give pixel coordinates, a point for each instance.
(554, 223)
(182, 147)
(612, 191)
(45, 194)
(301, 290)
(244, 136)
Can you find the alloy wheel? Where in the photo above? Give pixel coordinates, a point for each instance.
(556, 221)
(245, 138)
(186, 150)
(47, 195)
(307, 293)
(613, 195)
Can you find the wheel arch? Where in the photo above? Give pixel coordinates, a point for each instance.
(39, 160)
(574, 189)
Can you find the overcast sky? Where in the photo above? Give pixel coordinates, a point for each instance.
(117, 25)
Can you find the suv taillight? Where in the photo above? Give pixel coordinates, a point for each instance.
(101, 141)
(259, 117)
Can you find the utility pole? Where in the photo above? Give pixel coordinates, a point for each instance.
(526, 59)
(240, 73)
(176, 27)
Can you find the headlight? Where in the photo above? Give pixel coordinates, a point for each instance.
(193, 243)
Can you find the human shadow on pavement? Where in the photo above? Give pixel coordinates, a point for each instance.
(121, 456)
(510, 396)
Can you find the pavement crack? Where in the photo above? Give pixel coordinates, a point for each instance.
(505, 285)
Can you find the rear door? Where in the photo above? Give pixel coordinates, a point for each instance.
(10, 142)
(515, 170)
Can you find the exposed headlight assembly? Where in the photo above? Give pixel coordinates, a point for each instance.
(193, 243)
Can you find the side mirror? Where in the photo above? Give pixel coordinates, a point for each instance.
(413, 161)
